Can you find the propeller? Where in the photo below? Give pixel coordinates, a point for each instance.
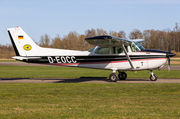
(169, 58)
(169, 55)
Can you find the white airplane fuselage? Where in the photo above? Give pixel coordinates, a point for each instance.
(141, 60)
(112, 53)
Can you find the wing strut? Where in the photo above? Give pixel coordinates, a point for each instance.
(127, 56)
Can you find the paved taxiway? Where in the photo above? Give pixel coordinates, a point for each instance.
(79, 80)
(31, 64)
(82, 80)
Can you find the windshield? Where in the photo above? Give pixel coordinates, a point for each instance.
(136, 47)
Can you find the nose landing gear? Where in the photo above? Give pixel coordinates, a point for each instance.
(153, 76)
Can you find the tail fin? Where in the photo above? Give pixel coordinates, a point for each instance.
(22, 43)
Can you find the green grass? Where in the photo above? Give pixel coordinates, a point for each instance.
(9, 60)
(174, 64)
(78, 100)
(73, 72)
(175, 59)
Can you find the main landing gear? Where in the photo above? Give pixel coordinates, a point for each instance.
(114, 77)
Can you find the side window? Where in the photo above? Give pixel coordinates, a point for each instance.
(118, 50)
(91, 49)
(102, 50)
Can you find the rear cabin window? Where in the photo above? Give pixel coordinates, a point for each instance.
(118, 50)
(102, 50)
(91, 49)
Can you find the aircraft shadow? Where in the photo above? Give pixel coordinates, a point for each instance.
(103, 79)
(75, 80)
(136, 80)
(13, 78)
(82, 79)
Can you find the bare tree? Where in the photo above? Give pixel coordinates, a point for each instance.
(122, 34)
(56, 42)
(135, 34)
(113, 33)
(45, 41)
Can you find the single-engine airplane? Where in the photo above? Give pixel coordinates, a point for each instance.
(111, 53)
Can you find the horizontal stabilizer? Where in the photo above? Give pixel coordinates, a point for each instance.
(25, 58)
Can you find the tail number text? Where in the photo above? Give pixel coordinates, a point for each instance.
(62, 59)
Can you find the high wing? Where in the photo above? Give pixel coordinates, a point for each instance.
(107, 40)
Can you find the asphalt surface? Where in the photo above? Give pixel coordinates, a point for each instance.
(82, 80)
(32, 64)
(79, 80)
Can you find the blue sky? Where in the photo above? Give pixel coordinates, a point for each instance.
(62, 16)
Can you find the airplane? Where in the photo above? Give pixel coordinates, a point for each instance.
(111, 53)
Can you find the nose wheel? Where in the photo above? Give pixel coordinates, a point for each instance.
(153, 76)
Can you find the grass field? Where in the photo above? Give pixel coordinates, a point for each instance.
(8, 60)
(78, 100)
(73, 72)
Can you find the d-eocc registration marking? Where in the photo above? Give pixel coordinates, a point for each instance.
(62, 59)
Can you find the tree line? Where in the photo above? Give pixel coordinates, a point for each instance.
(6, 51)
(154, 39)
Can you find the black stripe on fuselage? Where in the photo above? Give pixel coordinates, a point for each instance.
(154, 51)
(94, 59)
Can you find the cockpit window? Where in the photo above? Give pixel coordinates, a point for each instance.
(118, 50)
(136, 47)
(102, 50)
(91, 49)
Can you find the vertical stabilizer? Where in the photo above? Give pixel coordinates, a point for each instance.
(22, 43)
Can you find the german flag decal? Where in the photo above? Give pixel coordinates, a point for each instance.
(20, 37)
(27, 47)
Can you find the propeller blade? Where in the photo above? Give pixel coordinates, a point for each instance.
(169, 59)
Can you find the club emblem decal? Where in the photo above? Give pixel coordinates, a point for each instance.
(27, 47)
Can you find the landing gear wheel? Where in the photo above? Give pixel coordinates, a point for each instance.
(113, 77)
(122, 76)
(153, 77)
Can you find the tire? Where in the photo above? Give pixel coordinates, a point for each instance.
(122, 76)
(153, 78)
(113, 77)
